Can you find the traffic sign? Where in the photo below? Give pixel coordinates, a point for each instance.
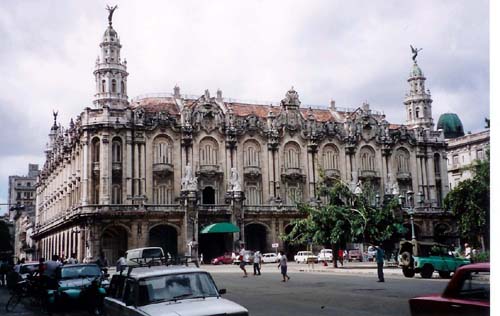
(275, 245)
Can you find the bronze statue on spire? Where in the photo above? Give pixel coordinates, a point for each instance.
(55, 117)
(415, 53)
(110, 15)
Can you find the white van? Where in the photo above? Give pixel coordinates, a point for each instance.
(143, 255)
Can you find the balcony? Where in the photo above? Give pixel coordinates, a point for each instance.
(332, 174)
(292, 173)
(163, 168)
(209, 170)
(251, 171)
(403, 175)
(270, 209)
(368, 174)
(214, 208)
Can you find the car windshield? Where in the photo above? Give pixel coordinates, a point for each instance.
(175, 287)
(152, 253)
(29, 268)
(75, 272)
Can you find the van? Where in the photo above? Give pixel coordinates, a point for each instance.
(144, 255)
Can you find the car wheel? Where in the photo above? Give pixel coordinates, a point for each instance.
(407, 259)
(408, 272)
(444, 274)
(427, 271)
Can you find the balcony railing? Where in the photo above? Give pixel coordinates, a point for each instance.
(403, 175)
(163, 168)
(251, 171)
(368, 174)
(292, 173)
(332, 173)
(270, 208)
(209, 169)
(214, 208)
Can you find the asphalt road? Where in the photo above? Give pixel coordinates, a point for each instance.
(309, 293)
(350, 292)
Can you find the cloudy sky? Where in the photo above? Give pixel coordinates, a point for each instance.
(255, 50)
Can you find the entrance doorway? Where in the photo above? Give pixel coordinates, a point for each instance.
(164, 236)
(256, 237)
(114, 240)
(208, 195)
(214, 244)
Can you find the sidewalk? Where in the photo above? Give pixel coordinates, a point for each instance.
(349, 267)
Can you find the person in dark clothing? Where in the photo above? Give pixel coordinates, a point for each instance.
(380, 262)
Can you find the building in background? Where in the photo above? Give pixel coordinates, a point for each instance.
(22, 202)
(158, 170)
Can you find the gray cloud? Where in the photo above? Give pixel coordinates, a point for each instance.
(350, 52)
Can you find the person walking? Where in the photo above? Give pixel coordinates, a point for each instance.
(121, 263)
(468, 251)
(283, 265)
(242, 262)
(72, 259)
(379, 256)
(256, 263)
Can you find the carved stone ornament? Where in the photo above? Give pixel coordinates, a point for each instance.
(189, 182)
(234, 180)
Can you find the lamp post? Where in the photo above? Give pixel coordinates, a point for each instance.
(407, 204)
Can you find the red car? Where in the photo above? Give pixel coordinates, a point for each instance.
(225, 259)
(467, 293)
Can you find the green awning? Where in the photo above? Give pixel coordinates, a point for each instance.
(220, 228)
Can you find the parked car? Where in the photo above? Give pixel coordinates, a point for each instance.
(144, 255)
(354, 254)
(371, 254)
(305, 257)
(427, 257)
(467, 293)
(173, 290)
(247, 257)
(73, 282)
(224, 259)
(21, 272)
(325, 255)
(270, 257)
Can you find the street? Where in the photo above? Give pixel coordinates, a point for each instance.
(349, 291)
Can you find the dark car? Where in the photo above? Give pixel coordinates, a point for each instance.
(224, 259)
(467, 293)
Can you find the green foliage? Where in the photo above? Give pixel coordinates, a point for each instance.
(4, 237)
(345, 218)
(469, 201)
(481, 257)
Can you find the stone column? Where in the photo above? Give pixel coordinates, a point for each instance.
(127, 165)
(105, 169)
(136, 171)
(142, 149)
(311, 170)
(432, 179)
(188, 200)
(236, 198)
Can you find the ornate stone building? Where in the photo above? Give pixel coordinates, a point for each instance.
(160, 168)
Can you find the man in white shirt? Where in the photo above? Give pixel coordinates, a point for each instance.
(51, 266)
(256, 263)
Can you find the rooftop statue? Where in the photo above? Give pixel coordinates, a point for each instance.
(415, 53)
(110, 15)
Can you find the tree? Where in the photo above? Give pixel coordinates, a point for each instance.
(469, 202)
(345, 218)
(5, 239)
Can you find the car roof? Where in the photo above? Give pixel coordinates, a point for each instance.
(146, 272)
(79, 265)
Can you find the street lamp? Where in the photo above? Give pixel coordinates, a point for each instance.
(408, 205)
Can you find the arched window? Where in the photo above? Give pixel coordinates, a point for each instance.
(292, 156)
(330, 157)
(116, 194)
(208, 152)
(252, 194)
(437, 164)
(117, 151)
(409, 115)
(403, 160)
(95, 150)
(113, 86)
(367, 158)
(417, 111)
(294, 194)
(122, 87)
(251, 154)
(103, 86)
(162, 148)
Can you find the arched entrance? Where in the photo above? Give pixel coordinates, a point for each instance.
(164, 236)
(114, 240)
(441, 233)
(256, 237)
(208, 195)
(290, 249)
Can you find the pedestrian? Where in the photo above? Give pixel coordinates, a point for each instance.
(4, 268)
(201, 259)
(341, 257)
(256, 263)
(72, 259)
(468, 251)
(283, 265)
(379, 256)
(121, 263)
(102, 262)
(242, 262)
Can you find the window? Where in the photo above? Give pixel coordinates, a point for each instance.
(403, 160)
(163, 194)
(28, 184)
(162, 151)
(116, 194)
(476, 286)
(292, 156)
(123, 87)
(367, 159)
(251, 155)
(480, 154)
(455, 159)
(103, 86)
(252, 194)
(294, 195)
(117, 151)
(113, 86)
(95, 150)
(208, 152)
(417, 111)
(331, 157)
(409, 114)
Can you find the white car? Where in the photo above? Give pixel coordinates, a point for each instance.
(172, 290)
(305, 257)
(325, 255)
(270, 257)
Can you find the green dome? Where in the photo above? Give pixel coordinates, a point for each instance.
(451, 125)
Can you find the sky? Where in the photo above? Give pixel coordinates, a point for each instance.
(351, 52)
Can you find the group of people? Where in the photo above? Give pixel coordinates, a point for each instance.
(257, 263)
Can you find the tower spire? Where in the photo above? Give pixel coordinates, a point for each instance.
(418, 100)
(110, 72)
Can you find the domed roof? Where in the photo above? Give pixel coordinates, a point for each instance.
(416, 71)
(110, 32)
(451, 125)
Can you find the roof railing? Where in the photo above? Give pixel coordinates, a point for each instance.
(161, 261)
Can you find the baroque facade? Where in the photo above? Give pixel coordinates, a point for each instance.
(156, 170)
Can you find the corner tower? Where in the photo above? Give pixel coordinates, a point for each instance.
(418, 100)
(110, 72)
